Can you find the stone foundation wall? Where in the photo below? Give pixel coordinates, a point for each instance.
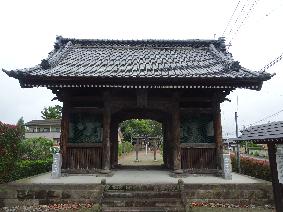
(11, 195)
(16, 194)
(257, 194)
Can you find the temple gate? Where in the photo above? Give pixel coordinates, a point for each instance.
(177, 83)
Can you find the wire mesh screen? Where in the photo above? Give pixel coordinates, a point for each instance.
(196, 130)
(85, 128)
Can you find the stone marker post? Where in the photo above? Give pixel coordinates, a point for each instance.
(56, 166)
(279, 161)
(226, 166)
(137, 148)
(154, 144)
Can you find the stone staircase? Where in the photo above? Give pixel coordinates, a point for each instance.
(150, 198)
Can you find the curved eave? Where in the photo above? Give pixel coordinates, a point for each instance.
(139, 82)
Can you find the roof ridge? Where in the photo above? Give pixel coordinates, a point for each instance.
(228, 61)
(258, 125)
(154, 42)
(135, 47)
(56, 56)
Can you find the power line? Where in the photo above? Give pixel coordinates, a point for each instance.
(228, 24)
(267, 117)
(247, 15)
(272, 63)
(236, 21)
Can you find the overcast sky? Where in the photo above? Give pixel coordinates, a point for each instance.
(29, 28)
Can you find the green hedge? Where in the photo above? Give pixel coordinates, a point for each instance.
(26, 168)
(125, 147)
(10, 137)
(252, 167)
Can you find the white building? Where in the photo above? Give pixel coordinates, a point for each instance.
(50, 128)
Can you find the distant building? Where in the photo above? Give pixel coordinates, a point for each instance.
(50, 128)
(230, 143)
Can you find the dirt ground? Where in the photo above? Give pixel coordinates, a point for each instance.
(144, 159)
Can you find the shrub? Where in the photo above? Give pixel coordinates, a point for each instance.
(125, 147)
(10, 136)
(36, 149)
(256, 153)
(252, 167)
(26, 168)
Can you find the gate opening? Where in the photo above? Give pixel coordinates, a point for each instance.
(140, 144)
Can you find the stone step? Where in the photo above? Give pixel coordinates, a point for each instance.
(142, 202)
(141, 194)
(139, 187)
(143, 209)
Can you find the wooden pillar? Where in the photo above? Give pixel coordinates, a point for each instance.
(175, 129)
(112, 141)
(277, 191)
(217, 131)
(115, 144)
(106, 132)
(165, 141)
(170, 144)
(65, 131)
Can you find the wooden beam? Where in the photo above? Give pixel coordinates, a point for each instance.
(199, 145)
(277, 189)
(106, 132)
(142, 98)
(196, 110)
(84, 145)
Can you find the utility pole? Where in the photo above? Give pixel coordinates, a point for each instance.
(238, 145)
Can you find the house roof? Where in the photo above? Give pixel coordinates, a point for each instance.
(44, 122)
(88, 63)
(265, 133)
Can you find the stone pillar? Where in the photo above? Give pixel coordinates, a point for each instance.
(56, 166)
(106, 133)
(175, 129)
(226, 166)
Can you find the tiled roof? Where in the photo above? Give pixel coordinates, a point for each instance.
(144, 59)
(44, 122)
(264, 133)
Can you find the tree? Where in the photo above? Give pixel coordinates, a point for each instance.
(52, 112)
(140, 127)
(21, 125)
